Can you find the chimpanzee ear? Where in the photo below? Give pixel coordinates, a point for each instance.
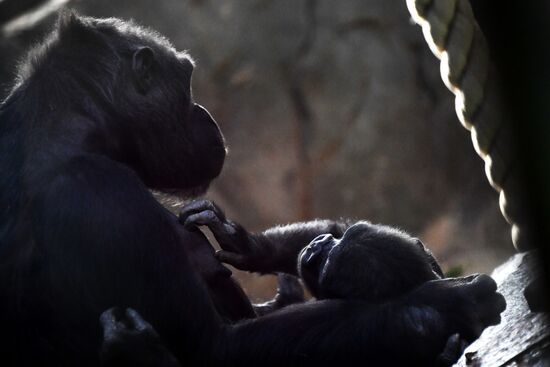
(142, 63)
(71, 27)
(69, 19)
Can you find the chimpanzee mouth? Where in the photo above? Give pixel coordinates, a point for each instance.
(189, 193)
(312, 259)
(175, 199)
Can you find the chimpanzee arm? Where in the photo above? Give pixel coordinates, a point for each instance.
(429, 326)
(412, 330)
(274, 250)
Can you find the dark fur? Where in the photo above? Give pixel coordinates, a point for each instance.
(102, 112)
(370, 262)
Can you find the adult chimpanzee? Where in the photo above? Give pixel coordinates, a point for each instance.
(101, 112)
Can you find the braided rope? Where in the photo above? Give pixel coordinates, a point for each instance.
(454, 36)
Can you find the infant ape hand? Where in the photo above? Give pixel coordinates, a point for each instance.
(239, 248)
(466, 305)
(128, 340)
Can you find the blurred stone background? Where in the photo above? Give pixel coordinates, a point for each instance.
(330, 109)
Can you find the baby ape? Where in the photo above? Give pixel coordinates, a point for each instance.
(100, 113)
(370, 262)
(374, 263)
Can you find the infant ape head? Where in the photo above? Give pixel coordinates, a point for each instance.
(370, 262)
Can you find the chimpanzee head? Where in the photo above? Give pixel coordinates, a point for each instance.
(370, 262)
(132, 89)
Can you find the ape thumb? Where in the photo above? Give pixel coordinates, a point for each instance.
(230, 258)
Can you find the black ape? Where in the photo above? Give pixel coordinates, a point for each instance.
(100, 113)
(374, 263)
(129, 341)
(370, 262)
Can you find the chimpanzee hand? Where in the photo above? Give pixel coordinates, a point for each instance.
(289, 291)
(464, 305)
(128, 340)
(454, 348)
(239, 248)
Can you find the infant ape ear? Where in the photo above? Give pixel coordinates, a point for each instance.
(142, 63)
(77, 30)
(431, 258)
(69, 19)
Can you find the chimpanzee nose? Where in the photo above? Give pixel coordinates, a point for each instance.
(316, 248)
(321, 239)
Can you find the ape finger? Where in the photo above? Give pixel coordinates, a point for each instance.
(200, 205)
(137, 322)
(204, 218)
(491, 308)
(109, 323)
(223, 232)
(107, 317)
(231, 258)
(483, 284)
(454, 348)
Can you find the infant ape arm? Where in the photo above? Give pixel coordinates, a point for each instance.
(286, 241)
(274, 250)
(289, 291)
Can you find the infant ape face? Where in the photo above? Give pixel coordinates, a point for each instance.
(370, 262)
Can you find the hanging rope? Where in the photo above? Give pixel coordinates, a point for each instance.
(454, 36)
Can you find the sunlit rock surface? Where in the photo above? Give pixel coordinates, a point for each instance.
(523, 337)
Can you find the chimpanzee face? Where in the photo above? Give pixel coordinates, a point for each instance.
(370, 262)
(190, 149)
(149, 119)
